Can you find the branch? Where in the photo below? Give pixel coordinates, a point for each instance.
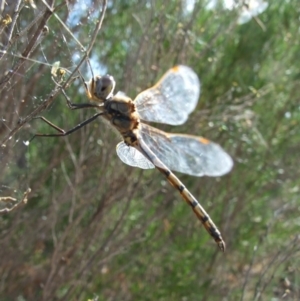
(8, 199)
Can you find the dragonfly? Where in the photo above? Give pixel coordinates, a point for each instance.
(169, 101)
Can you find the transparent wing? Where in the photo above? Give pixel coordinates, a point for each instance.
(172, 99)
(191, 155)
(131, 156)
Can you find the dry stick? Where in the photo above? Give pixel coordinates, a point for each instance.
(23, 201)
(30, 47)
(25, 30)
(2, 5)
(72, 250)
(7, 199)
(287, 252)
(28, 118)
(136, 237)
(93, 39)
(32, 44)
(57, 90)
(90, 261)
(63, 24)
(248, 272)
(11, 28)
(186, 29)
(52, 96)
(122, 248)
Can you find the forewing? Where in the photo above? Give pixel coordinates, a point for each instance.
(131, 156)
(172, 99)
(191, 155)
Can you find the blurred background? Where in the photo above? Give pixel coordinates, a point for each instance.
(96, 229)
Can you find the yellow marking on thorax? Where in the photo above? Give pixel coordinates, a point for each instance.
(175, 69)
(203, 140)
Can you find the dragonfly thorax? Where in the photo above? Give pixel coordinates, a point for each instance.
(122, 105)
(121, 112)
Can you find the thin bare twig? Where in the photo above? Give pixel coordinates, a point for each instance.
(30, 47)
(34, 113)
(56, 91)
(248, 272)
(23, 201)
(15, 16)
(7, 199)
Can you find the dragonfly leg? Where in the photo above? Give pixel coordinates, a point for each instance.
(61, 131)
(75, 106)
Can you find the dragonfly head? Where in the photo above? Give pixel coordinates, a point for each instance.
(101, 88)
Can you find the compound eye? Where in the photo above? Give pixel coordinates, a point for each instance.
(104, 87)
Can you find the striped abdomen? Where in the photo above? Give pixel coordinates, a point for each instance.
(186, 195)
